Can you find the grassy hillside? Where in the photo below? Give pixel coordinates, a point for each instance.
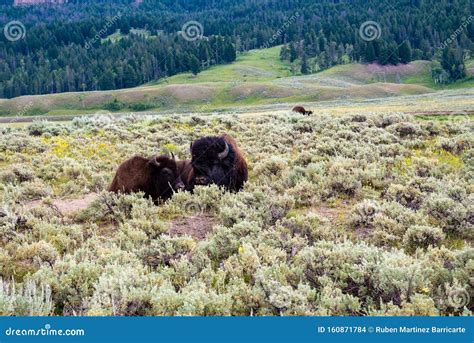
(253, 66)
(258, 77)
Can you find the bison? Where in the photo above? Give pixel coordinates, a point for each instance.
(186, 172)
(218, 160)
(157, 177)
(302, 110)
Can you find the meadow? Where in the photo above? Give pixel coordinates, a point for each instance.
(257, 78)
(346, 212)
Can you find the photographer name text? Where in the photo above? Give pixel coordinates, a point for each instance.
(392, 330)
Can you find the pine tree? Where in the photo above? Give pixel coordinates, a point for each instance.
(293, 53)
(393, 57)
(322, 43)
(204, 54)
(369, 55)
(194, 65)
(304, 65)
(229, 51)
(129, 77)
(453, 63)
(404, 52)
(106, 81)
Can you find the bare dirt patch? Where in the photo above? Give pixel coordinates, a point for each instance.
(336, 214)
(197, 226)
(327, 212)
(67, 206)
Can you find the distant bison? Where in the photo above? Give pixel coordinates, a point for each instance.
(218, 160)
(302, 110)
(157, 177)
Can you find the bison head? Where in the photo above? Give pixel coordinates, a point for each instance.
(165, 174)
(213, 161)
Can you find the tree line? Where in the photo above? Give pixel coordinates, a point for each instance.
(60, 51)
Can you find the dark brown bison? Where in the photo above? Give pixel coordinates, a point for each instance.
(302, 110)
(186, 172)
(157, 177)
(218, 160)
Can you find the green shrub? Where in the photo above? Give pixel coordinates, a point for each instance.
(114, 105)
(451, 216)
(422, 237)
(141, 106)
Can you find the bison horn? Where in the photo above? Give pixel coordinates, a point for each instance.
(154, 162)
(172, 155)
(224, 153)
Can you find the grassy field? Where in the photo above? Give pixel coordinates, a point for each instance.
(254, 66)
(425, 79)
(257, 78)
(359, 209)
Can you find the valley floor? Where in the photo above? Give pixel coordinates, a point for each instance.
(257, 79)
(449, 103)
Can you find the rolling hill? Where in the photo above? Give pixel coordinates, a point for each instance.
(258, 77)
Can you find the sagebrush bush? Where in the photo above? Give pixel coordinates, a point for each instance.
(26, 299)
(343, 214)
(422, 237)
(451, 215)
(343, 178)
